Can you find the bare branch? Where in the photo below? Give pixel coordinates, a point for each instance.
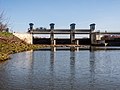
(1, 16)
(3, 23)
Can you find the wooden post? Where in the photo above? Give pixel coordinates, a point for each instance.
(52, 33)
(72, 33)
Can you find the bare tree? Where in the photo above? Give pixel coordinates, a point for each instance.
(3, 24)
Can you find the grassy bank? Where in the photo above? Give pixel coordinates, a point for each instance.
(10, 44)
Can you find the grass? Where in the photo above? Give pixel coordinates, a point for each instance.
(10, 44)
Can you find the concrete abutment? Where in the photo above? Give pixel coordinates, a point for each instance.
(26, 37)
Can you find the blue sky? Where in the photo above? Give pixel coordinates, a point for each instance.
(105, 13)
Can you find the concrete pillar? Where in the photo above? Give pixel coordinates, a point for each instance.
(77, 48)
(77, 42)
(52, 33)
(93, 38)
(31, 26)
(92, 34)
(92, 27)
(53, 49)
(54, 42)
(72, 33)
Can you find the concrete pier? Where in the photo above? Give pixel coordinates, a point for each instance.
(92, 34)
(77, 42)
(72, 33)
(52, 33)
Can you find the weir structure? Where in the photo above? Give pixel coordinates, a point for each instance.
(72, 32)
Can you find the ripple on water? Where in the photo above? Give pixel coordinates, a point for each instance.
(61, 70)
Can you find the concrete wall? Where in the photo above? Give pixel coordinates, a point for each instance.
(28, 38)
(98, 37)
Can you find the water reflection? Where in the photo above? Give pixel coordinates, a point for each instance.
(52, 61)
(72, 69)
(30, 57)
(16, 73)
(92, 70)
(53, 49)
(72, 48)
(61, 70)
(31, 69)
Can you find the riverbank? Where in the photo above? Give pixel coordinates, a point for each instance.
(10, 44)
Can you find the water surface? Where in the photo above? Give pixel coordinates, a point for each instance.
(61, 70)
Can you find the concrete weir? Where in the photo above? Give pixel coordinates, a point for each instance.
(27, 37)
(72, 32)
(95, 38)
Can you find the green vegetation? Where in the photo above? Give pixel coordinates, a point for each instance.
(10, 44)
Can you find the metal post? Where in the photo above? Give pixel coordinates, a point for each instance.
(72, 34)
(52, 33)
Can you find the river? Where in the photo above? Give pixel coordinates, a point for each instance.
(61, 70)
